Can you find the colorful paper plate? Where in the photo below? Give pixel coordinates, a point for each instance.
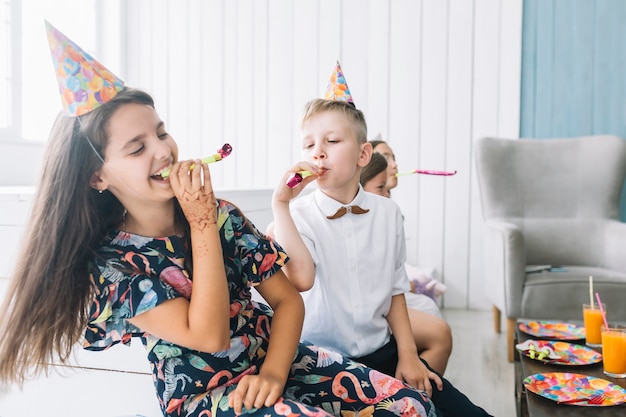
(568, 353)
(548, 329)
(562, 386)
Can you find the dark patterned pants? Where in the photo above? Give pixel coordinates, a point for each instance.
(323, 383)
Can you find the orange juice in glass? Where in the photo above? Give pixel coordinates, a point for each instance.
(614, 351)
(592, 316)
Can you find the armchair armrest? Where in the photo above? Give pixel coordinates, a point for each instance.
(505, 265)
(615, 242)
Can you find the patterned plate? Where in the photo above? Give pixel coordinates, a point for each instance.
(561, 386)
(568, 353)
(553, 330)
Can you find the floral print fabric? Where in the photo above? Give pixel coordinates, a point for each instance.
(132, 274)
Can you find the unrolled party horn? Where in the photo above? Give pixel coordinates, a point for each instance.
(427, 172)
(222, 153)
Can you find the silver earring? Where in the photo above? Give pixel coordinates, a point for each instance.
(99, 191)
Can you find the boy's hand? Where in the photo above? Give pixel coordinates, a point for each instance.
(283, 193)
(416, 374)
(255, 391)
(194, 192)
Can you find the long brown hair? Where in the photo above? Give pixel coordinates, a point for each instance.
(45, 310)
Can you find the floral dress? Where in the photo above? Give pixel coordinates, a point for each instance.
(132, 274)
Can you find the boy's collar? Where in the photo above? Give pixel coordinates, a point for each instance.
(329, 205)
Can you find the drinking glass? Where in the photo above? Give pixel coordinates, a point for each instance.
(592, 316)
(614, 351)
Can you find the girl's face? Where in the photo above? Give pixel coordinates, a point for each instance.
(392, 167)
(378, 185)
(329, 141)
(138, 148)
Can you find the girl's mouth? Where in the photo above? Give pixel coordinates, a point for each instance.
(158, 176)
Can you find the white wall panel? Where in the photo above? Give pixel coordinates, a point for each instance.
(281, 108)
(432, 135)
(485, 122)
(354, 58)
(194, 74)
(260, 147)
(402, 131)
(178, 66)
(431, 77)
(329, 24)
(234, 80)
(244, 110)
(305, 69)
(158, 57)
(212, 84)
(457, 197)
(377, 36)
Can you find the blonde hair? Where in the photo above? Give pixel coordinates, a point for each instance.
(354, 115)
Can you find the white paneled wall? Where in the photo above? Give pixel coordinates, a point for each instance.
(431, 77)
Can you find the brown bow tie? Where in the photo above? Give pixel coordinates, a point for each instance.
(347, 209)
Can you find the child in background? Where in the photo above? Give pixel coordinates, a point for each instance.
(381, 147)
(432, 334)
(421, 282)
(116, 251)
(374, 176)
(347, 250)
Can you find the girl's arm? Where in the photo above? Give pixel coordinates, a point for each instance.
(201, 323)
(300, 269)
(410, 368)
(265, 388)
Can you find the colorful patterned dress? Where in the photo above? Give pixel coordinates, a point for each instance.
(132, 274)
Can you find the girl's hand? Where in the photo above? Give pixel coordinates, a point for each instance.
(255, 391)
(194, 192)
(283, 193)
(416, 374)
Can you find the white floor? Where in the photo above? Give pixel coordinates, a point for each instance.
(478, 366)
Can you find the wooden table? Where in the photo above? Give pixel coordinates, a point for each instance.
(530, 404)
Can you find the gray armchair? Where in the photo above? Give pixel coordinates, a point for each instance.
(552, 202)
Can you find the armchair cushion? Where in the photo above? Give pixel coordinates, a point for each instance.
(560, 295)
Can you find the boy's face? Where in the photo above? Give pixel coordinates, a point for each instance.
(329, 141)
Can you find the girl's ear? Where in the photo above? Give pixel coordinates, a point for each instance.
(366, 154)
(96, 182)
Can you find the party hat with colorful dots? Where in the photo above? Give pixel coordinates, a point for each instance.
(337, 88)
(84, 83)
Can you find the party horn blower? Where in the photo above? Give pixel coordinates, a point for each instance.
(427, 172)
(297, 178)
(222, 153)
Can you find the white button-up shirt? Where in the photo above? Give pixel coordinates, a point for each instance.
(359, 265)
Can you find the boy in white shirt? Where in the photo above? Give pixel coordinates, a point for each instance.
(351, 264)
